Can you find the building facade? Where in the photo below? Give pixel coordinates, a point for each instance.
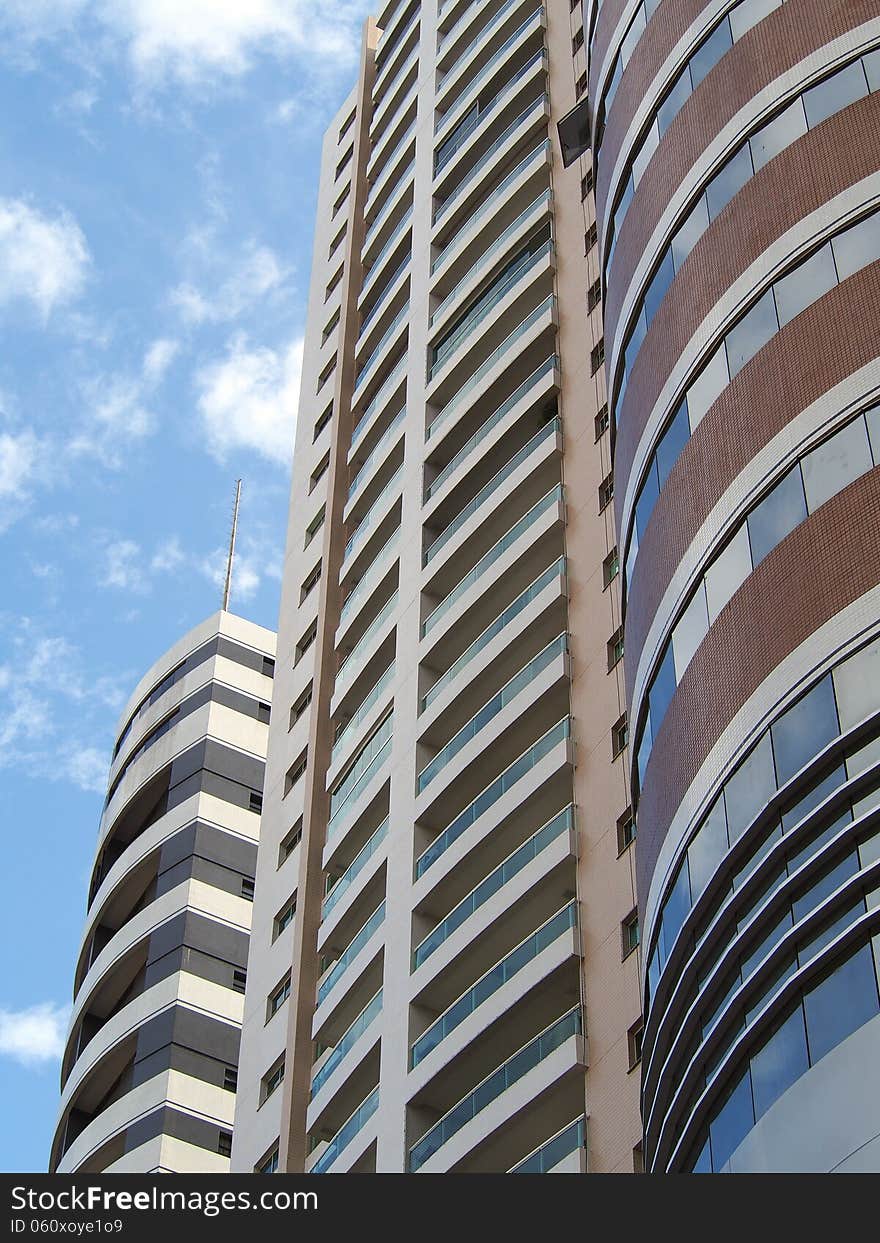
(737, 169)
(150, 1068)
(444, 968)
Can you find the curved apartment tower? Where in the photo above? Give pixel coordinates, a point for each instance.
(150, 1067)
(444, 967)
(737, 157)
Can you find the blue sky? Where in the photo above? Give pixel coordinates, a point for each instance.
(158, 168)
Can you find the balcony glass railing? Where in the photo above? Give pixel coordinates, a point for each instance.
(388, 160)
(366, 581)
(493, 792)
(366, 763)
(375, 453)
(486, 427)
(488, 204)
(350, 953)
(347, 1132)
(497, 550)
(561, 823)
(389, 285)
(371, 1010)
(498, 245)
(351, 873)
(470, 124)
(366, 523)
(387, 208)
(372, 697)
(479, 168)
(491, 709)
(486, 303)
(464, 19)
(522, 455)
(485, 367)
(557, 570)
(380, 396)
(509, 1073)
(564, 1142)
(393, 238)
(353, 658)
(495, 978)
(384, 54)
(379, 119)
(511, 41)
(383, 341)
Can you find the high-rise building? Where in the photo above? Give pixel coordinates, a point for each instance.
(736, 149)
(150, 1067)
(444, 966)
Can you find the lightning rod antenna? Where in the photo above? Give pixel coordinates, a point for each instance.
(227, 586)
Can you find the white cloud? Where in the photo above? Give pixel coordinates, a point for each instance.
(255, 275)
(123, 566)
(43, 260)
(87, 768)
(248, 400)
(19, 458)
(118, 406)
(35, 1035)
(167, 557)
(158, 359)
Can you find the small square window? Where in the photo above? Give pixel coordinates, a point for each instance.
(591, 238)
(247, 888)
(629, 929)
(330, 327)
(319, 472)
(581, 86)
(272, 1080)
(586, 184)
(615, 648)
(290, 841)
(343, 163)
(300, 706)
(224, 1143)
(578, 41)
(619, 736)
(305, 642)
(315, 525)
(239, 980)
(311, 581)
(626, 830)
(268, 667)
(230, 1079)
(255, 801)
(264, 712)
(610, 568)
(326, 373)
(334, 281)
(597, 356)
(277, 997)
(269, 1163)
(337, 206)
(602, 421)
(322, 422)
(594, 295)
(284, 918)
(634, 1041)
(296, 771)
(606, 491)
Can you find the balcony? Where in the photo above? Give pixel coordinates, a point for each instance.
(363, 710)
(552, 1156)
(526, 1060)
(490, 795)
(334, 974)
(386, 390)
(389, 287)
(354, 869)
(393, 170)
(468, 78)
(346, 1043)
(346, 1134)
(369, 522)
(368, 762)
(376, 266)
(363, 368)
(493, 980)
(357, 656)
(561, 824)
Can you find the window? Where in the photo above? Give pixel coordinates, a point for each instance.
(269, 1164)
(634, 1041)
(610, 568)
(322, 422)
(311, 580)
(247, 888)
(334, 281)
(346, 126)
(578, 41)
(638, 1159)
(337, 206)
(224, 1143)
(255, 801)
(597, 356)
(300, 706)
(615, 648)
(606, 491)
(326, 373)
(305, 642)
(619, 736)
(602, 421)
(594, 295)
(239, 980)
(591, 238)
(330, 326)
(344, 162)
(337, 242)
(296, 771)
(319, 472)
(586, 183)
(314, 526)
(277, 997)
(581, 86)
(272, 1080)
(629, 930)
(284, 918)
(626, 830)
(573, 4)
(290, 841)
(264, 712)
(230, 1079)
(268, 667)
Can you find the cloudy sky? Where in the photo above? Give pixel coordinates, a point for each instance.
(158, 162)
